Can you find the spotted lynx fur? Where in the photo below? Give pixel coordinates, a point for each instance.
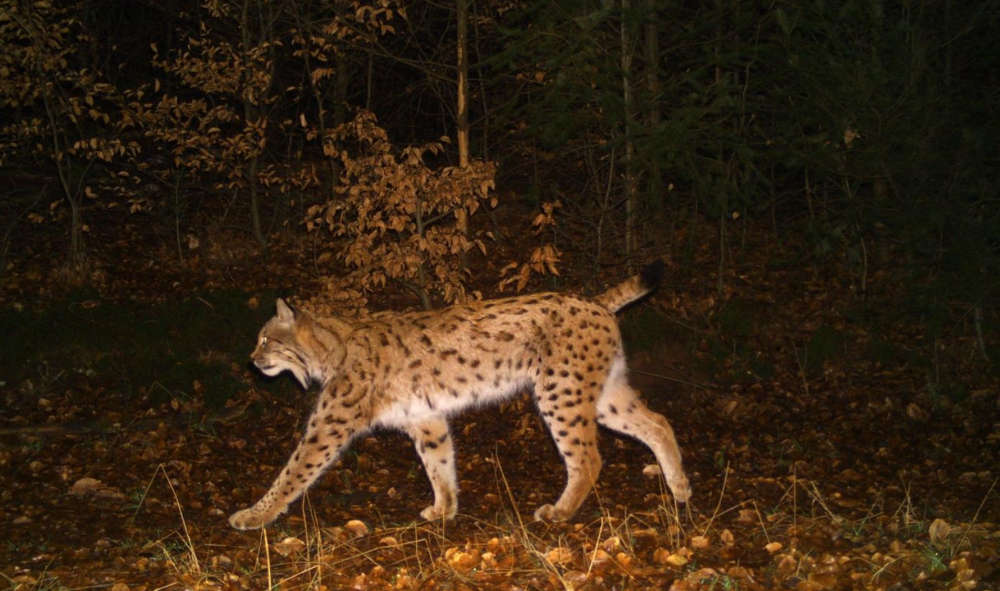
(412, 370)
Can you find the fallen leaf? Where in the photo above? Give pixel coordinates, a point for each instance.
(357, 528)
(574, 578)
(461, 560)
(624, 560)
(787, 565)
(600, 556)
(92, 486)
(773, 547)
(84, 486)
(916, 413)
(612, 544)
(664, 556)
(825, 580)
(289, 546)
(938, 531)
(559, 555)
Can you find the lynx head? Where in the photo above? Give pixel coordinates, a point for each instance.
(293, 341)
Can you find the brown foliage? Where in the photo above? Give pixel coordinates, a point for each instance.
(62, 111)
(401, 218)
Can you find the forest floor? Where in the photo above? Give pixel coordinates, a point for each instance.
(829, 443)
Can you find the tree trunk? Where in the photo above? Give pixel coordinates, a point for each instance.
(250, 114)
(254, 187)
(462, 14)
(631, 190)
(462, 110)
(63, 169)
(341, 87)
(652, 50)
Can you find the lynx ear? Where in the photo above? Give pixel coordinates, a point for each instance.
(286, 312)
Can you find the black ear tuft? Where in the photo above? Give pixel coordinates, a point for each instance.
(286, 311)
(652, 274)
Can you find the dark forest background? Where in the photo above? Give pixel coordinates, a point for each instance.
(860, 134)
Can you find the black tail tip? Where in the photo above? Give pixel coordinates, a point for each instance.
(652, 274)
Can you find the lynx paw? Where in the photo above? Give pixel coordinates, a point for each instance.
(549, 512)
(249, 519)
(680, 488)
(434, 513)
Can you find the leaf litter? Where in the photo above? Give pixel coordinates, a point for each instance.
(847, 473)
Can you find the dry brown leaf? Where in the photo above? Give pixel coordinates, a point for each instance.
(773, 547)
(787, 565)
(488, 560)
(823, 580)
(559, 555)
(92, 486)
(461, 560)
(664, 556)
(651, 470)
(600, 556)
(938, 531)
(702, 575)
(612, 544)
(574, 578)
(357, 528)
(624, 560)
(85, 486)
(916, 413)
(747, 516)
(289, 546)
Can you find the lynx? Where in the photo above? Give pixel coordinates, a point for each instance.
(412, 370)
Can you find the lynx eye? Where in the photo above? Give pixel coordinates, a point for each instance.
(263, 340)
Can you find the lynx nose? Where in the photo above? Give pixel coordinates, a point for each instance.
(258, 359)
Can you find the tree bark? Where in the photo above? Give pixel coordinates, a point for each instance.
(652, 50)
(462, 108)
(462, 15)
(631, 190)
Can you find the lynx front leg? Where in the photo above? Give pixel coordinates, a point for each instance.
(433, 442)
(326, 436)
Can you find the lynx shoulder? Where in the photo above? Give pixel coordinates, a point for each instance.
(412, 370)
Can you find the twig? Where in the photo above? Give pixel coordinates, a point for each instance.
(965, 534)
(678, 380)
(715, 512)
(977, 315)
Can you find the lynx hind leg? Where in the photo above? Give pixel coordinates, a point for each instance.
(621, 409)
(432, 439)
(573, 427)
